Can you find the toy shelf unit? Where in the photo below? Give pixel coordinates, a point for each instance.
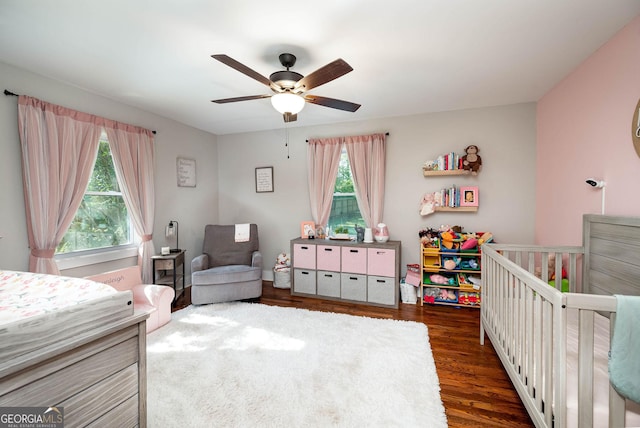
(450, 276)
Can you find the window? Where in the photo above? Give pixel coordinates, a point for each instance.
(102, 221)
(344, 208)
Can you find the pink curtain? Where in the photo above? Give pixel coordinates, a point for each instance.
(367, 155)
(132, 149)
(59, 149)
(323, 158)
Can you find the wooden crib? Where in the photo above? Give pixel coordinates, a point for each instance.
(553, 344)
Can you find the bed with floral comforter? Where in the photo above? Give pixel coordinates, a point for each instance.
(25, 294)
(71, 342)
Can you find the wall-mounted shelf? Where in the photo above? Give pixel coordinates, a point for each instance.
(459, 209)
(428, 173)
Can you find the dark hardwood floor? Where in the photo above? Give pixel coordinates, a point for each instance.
(475, 389)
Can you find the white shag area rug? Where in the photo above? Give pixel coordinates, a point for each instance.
(252, 365)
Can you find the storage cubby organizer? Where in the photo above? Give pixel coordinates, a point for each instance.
(450, 276)
(347, 270)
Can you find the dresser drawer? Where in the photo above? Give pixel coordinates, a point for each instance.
(304, 281)
(353, 287)
(328, 258)
(381, 262)
(304, 256)
(381, 289)
(328, 283)
(354, 259)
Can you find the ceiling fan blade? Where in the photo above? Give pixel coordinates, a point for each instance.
(323, 75)
(332, 103)
(289, 117)
(236, 99)
(227, 60)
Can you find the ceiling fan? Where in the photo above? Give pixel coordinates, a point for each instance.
(290, 88)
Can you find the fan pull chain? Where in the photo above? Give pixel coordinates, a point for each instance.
(286, 144)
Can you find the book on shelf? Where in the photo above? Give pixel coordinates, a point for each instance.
(449, 161)
(449, 197)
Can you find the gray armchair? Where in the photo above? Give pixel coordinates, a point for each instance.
(227, 270)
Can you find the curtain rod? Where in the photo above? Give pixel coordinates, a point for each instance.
(386, 133)
(9, 93)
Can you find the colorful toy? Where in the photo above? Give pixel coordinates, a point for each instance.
(468, 298)
(451, 239)
(469, 244)
(447, 296)
(485, 238)
(564, 282)
(463, 280)
(430, 295)
(450, 264)
(429, 238)
(441, 279)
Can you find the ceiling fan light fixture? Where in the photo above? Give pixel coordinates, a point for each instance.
(286, 102)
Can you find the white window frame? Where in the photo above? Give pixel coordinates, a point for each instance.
(81, 258)
(90, 257)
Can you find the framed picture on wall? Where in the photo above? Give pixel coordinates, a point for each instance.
(186, 172)
(469, 196)
(307, 229)
(264, 179)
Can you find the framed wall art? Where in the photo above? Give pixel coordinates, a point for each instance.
(469, 196)
(264, 179)
(186, 172)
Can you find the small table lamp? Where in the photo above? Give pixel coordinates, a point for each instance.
(170, 232)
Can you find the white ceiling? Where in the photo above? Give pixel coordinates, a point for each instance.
(409, 56)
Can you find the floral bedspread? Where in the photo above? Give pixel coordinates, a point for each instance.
(25, 294)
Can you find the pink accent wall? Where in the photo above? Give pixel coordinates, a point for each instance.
(584, 130)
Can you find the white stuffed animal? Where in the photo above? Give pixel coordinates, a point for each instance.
(427, 204)
(430, 165)
(283, 262)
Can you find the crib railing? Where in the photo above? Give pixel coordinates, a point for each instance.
(537, 260)
(588, 305)
(526, 321)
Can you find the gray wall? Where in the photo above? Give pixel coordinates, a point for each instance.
(506, 137)
(225, 191)
(193, 208)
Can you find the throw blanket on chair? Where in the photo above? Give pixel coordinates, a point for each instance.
(242, 232)
(624, 364)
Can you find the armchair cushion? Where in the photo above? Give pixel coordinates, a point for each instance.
(226, 274)
(219, 244)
